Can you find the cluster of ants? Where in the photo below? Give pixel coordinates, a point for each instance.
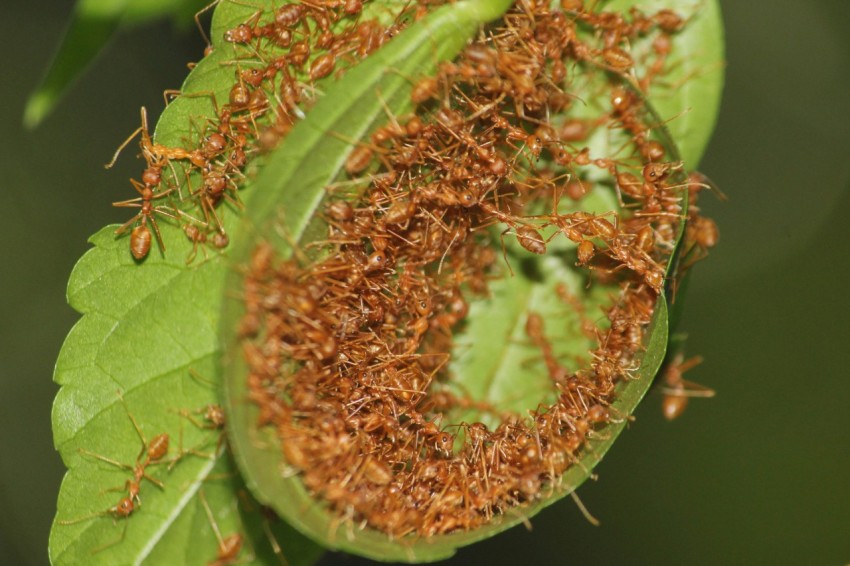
(277, 66)
(348, 341)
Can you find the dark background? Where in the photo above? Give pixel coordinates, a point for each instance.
(760, 474)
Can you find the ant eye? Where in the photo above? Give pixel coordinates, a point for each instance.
(376, 261)
(466, 199)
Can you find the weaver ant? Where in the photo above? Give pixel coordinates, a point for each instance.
(678, 391)
(228, 547)
(151, 453)
(366, 340)
(140, 237)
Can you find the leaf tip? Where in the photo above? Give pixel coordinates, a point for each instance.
(38, 106)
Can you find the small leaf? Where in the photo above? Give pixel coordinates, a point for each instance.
(93, 24)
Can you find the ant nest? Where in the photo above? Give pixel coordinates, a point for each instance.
(348, 342)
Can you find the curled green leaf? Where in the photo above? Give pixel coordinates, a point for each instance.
(284, 212)
(294, 182)
(145, 326)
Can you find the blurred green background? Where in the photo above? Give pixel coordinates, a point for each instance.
(758, 475)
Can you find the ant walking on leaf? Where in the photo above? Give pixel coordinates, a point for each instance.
(230, 546)
(156, 156)
(151, 453)
(140, 237)
(210, 418)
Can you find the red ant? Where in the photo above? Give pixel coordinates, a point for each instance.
(229, 547)
(140, 237)
(534, 327)
(124, 508)
(155, 154)
(678, 391)
(151, 453)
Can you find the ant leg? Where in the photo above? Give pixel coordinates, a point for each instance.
(142, 129)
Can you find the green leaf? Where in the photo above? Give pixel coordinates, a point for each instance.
(281, 211)
(285, 198)
(688, 94)
(144, 328)
(88, 33)
(93, 24)
(141, 333)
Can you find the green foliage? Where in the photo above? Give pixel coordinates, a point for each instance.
(145, 326)
(93, 25)
(287, 195)
(139, 336)
(687, 97)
